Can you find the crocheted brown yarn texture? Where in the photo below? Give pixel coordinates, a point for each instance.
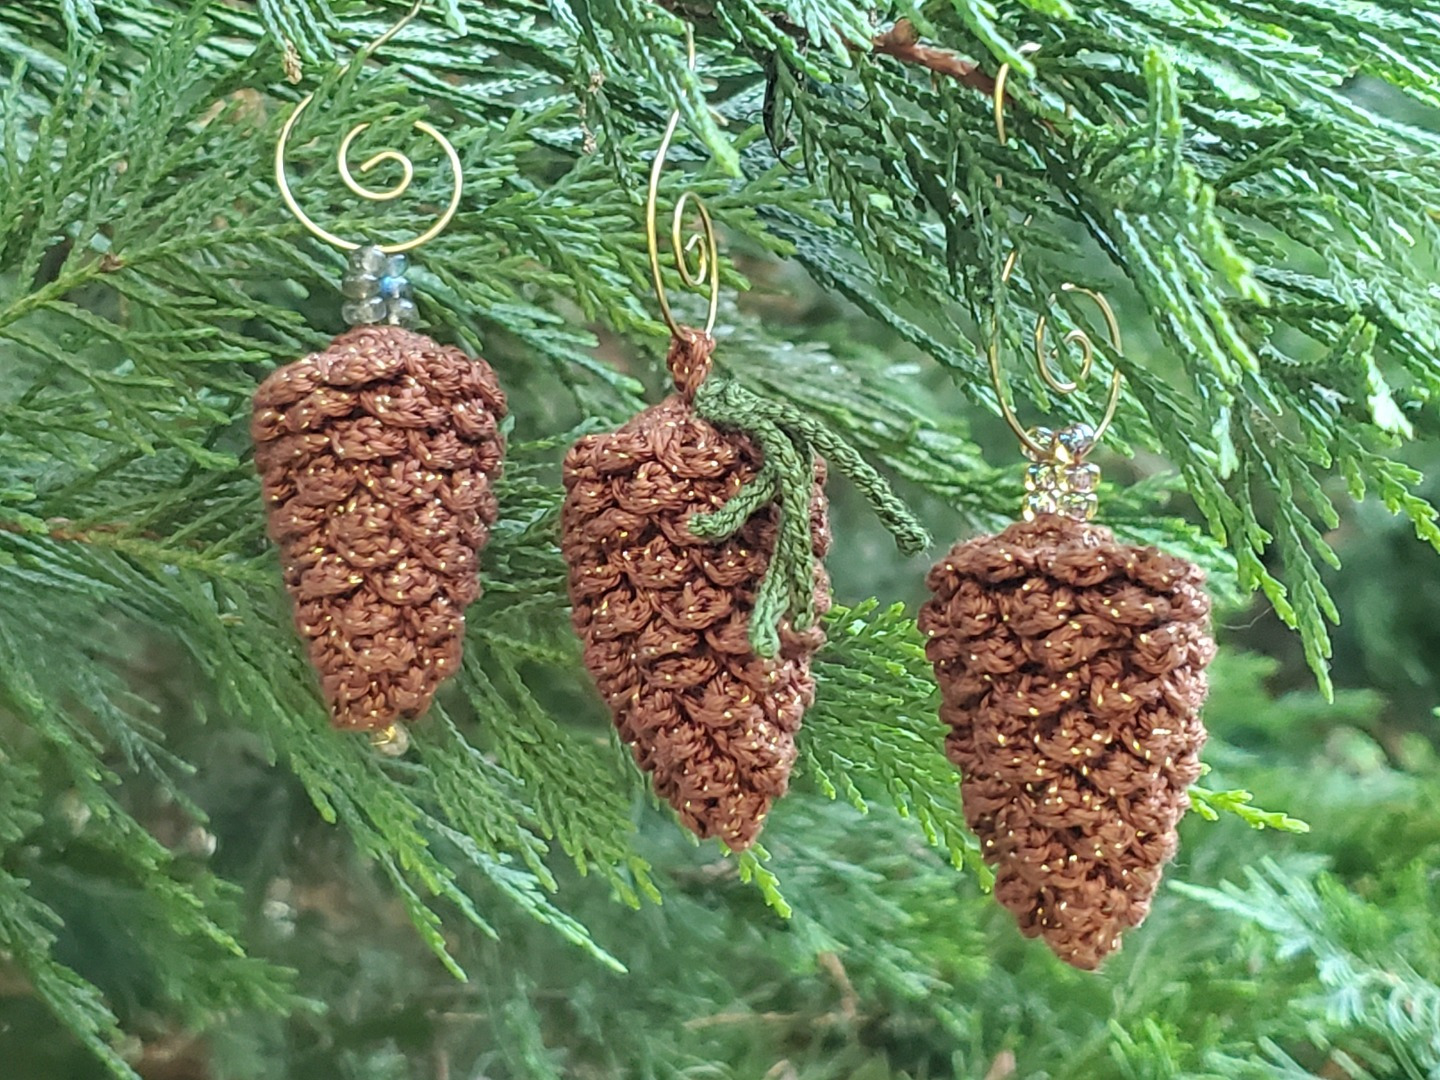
(664, 616)
(1072, 674)
(377, 458)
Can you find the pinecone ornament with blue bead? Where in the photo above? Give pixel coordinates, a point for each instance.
(695, 538)
(378, 458)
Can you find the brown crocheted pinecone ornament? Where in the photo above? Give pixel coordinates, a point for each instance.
(664, 615)
(1072, 674)
(377, 458)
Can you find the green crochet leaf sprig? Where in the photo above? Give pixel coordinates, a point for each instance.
(789, 443)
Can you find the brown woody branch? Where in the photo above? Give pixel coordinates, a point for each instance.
(902, 41)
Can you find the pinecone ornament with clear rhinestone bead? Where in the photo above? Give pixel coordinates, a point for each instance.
(1071, 668)
(664, 615)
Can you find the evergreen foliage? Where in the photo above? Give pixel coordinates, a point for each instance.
(1253, 181)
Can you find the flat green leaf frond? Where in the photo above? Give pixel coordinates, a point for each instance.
(1271, 234)
(1211, 804)
(1253, 184)
(872, 734)
(753, 871)
(1368, 984)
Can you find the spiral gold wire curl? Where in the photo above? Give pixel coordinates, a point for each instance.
(1045, 356)
(347, 175)
(706, 271)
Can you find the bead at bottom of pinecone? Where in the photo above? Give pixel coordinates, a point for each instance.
(377, 458)
(664, 616)
(1071, 670)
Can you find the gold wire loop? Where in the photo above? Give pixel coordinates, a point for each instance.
(342, 164)
(388, 34)
(407, 168)
(1086, 344)
(1078, 337)
(700, 245)
(998, 94)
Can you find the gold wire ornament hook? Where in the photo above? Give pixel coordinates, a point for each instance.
(347, 175)
(1086, 344)
(706, 271)
(388, 34)
(1077, 337)
(998, 94)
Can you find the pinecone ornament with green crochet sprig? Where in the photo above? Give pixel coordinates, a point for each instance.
(694, 536)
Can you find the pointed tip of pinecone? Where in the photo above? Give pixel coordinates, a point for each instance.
(1072, 673)
(664, 617)
(377, 457)
(736, 818)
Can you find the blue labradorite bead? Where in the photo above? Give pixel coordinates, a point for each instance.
(393, 287)
(401, 312)
(369, 260)
(363, 312)
(360, 286)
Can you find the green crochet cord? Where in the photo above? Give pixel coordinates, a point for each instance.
(789, 442)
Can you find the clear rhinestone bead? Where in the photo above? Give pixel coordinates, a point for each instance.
(1075, 441)
(1078, 504)
(1083, 478)
(1042, 437)
(1042, 477)
(1040, 502)
(392, 741)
